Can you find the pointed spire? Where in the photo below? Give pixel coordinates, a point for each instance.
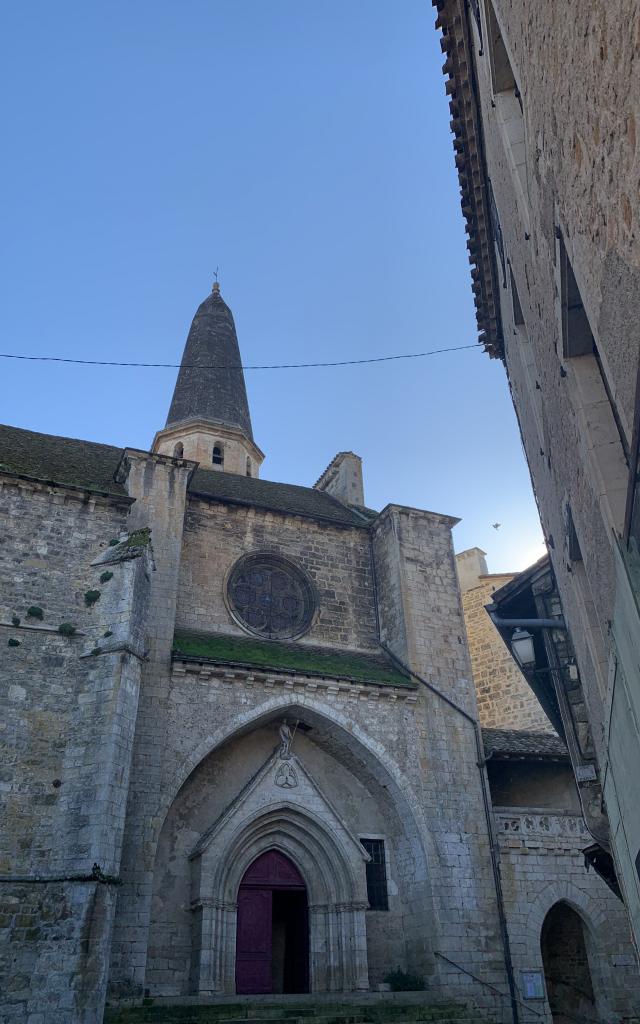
(210, 384)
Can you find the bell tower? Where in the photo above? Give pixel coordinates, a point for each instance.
(209, 418)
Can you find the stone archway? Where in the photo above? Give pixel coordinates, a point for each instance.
(565, 959)
(594, 919)
(306, 830)
(185, 946)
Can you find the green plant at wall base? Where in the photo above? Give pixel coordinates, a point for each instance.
(35, 612)
(91, 597)
(12, 642)
(106, 576)
(66, 629)
(113, 542)
(15, 621)
(400, 981)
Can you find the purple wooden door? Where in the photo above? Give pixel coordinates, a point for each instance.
(269, 873)
(253, 941)
(274, 871)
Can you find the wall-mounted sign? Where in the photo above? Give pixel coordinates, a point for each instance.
(585, 773)
(532, 984)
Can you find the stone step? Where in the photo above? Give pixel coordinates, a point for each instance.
(437, 1017)
(383, 1012)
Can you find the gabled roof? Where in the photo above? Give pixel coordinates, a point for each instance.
(521, 745)
(60, 460)
(289, 499)
(91, 466)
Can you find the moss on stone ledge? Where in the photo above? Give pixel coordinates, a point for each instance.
(280, 657)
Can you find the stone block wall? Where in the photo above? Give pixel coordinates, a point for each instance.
(505, 699)
(421, 621)
(543, 865)
(580, 96)
(581, 163)
(68, 716)
(54, 937)
(338, 562)
(49, 706)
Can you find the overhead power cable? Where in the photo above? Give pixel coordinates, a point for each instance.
(237, 366)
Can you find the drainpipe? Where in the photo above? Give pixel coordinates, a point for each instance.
(493, 846)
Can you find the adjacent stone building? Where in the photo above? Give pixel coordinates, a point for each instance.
(545, 105)
(504, 697)
(240, 743)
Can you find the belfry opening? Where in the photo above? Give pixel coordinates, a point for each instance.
(272, 936)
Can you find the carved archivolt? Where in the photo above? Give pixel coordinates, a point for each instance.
(296, 819)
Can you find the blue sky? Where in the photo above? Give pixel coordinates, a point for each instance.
(305, 149)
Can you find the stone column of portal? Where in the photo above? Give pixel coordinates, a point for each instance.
(159, 485)
(421, 621)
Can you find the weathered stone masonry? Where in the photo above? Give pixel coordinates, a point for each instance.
(68, 718)
(146, 765)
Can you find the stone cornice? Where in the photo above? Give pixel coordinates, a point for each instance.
(324, 686)
(59, 493)
(468, 145)
(215, 430)
(436, 517)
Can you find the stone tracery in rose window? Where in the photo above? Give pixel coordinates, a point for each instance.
(271, 597)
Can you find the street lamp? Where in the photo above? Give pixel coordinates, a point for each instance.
(522, 648)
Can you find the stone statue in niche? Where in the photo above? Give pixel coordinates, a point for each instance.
(286, 736)
(286, 777)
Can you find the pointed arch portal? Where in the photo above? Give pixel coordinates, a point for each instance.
(315, 850)
(272, 933)
(566, 966)
(295, 817)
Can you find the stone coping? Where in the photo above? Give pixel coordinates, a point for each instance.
(293, 682)
(271, 656)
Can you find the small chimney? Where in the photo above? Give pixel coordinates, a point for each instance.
(343, 479)
(471, 565)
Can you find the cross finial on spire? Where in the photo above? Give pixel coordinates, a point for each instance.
(216, 283)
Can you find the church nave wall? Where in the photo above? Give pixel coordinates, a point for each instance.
(68, 714)
(337, 561)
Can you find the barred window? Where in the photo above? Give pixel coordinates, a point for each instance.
(376, 874)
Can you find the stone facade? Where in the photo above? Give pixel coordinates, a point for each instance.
(545, 101)
(68, 720)
(174, 731)
(504, 698)
(543, 868)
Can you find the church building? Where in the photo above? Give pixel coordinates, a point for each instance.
(241, 750)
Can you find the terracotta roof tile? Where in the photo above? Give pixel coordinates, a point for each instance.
(517, 743)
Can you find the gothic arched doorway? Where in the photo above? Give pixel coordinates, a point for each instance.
(566, 966)
(272, 932)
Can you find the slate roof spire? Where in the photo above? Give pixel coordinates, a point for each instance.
(210, 384)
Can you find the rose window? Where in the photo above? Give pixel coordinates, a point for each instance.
(270, 596)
